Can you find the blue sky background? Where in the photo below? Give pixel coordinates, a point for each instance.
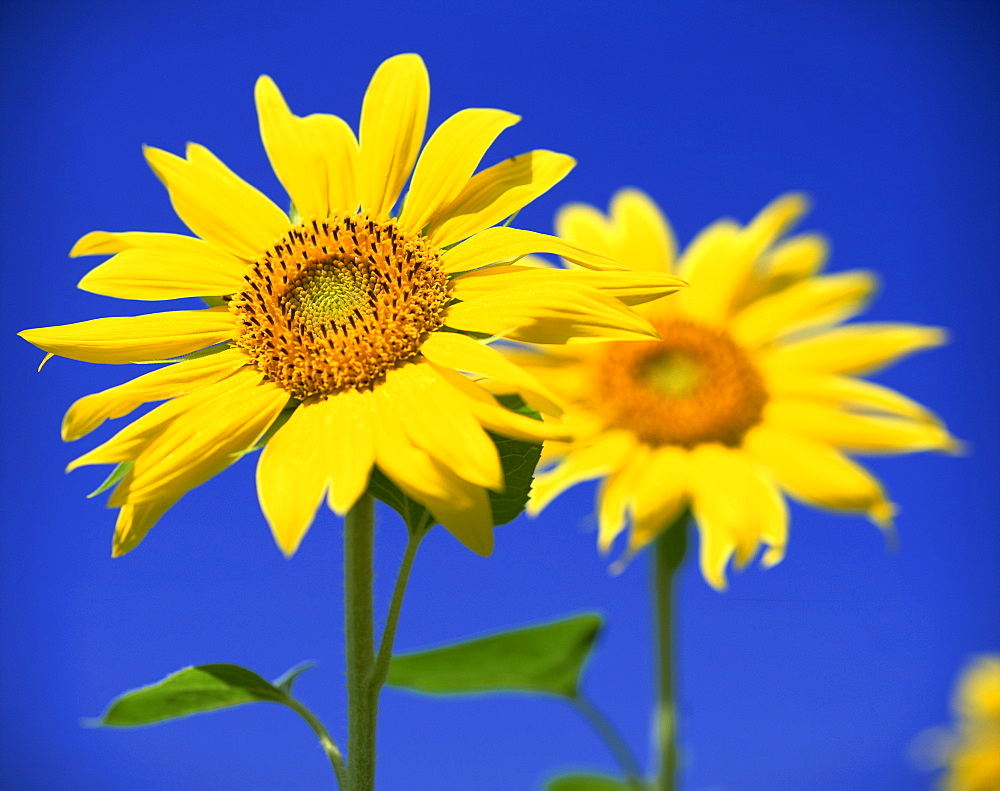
(814, 675)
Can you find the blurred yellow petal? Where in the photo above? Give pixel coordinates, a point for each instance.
(849, 392)
(615, 497)
(217, 204)
(737, 509)
(630, 288)
(642, 237)
(175, 380)
(854, 349)
(774, 221)
(502, 244)
(794, 259)
(811, 303)
(818, 474)
(315, 157)
(393, 120)
(203, 441)
(439, 422)
(461, 507)
(602, 457)
(585, 226)
(497, 193)
(448, 161)
(549, 314)
(128, 339)
(716, 264)
(857, 433)
(160, 266)
(659, 494)
(452, 350)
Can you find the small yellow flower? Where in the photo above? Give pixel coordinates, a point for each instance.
(973, 759)
(752, 392)
(343, 327)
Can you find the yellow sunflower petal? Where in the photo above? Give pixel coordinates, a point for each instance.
(796, 258)
(461, 507)
(217, 204)
(585, 226)
(452, 350)
(643, 238)
(439, 422)
(737, 508)
(854, 349)
(857, 433)
(158, 266)
(502, 244)
(818, 474)
(615, 497)
(717, 263)
(600, 458)
(659, 494)
(499, 419)
(631, 288)
(175, 380)
(350, 443)
(557, 314)
(292, 474)
(393, 119)
(849, 392)
(203, 441)
(774, 221)
(134, 522)
(128, 339)
(816, 302)
(448, 161)
(315, 157)
(496, 193)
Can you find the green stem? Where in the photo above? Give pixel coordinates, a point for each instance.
(669, 549)
(381, 668)
(612, 738)
(329, 746)
(359, 535)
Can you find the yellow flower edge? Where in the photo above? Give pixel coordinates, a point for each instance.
(973, 759)
(754, 391)
(344, 326)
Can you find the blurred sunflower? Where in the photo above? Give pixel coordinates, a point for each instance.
(973, 758)
(752, 392)
(338, 332)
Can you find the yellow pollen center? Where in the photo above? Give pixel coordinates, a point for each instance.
(692, 387)
(337, 303)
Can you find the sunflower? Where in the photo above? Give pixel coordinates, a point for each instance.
(341, 334)
(752, 393)
(973, 758)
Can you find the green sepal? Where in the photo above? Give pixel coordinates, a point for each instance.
(293, 214)
(116, 475)
(577, 782)
(517, 457)
(214, 302)
(548, 658)
(194, 690)
(285, 681)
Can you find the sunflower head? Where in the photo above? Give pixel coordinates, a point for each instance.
(753, 391)
(342, 334)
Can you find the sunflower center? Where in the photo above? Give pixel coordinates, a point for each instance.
(335, 304)
(692, 387)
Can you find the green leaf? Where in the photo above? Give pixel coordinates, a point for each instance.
(116, 475)
(588, 783)
(546, 658)
(517, 457)
(291, 676)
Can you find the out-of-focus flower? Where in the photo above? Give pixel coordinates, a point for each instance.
(338, 334)
(754, 391)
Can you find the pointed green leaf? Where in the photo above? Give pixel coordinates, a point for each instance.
(285, 682)
(116, 475)
(547, 658)
(518, 459)
(588, 783)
